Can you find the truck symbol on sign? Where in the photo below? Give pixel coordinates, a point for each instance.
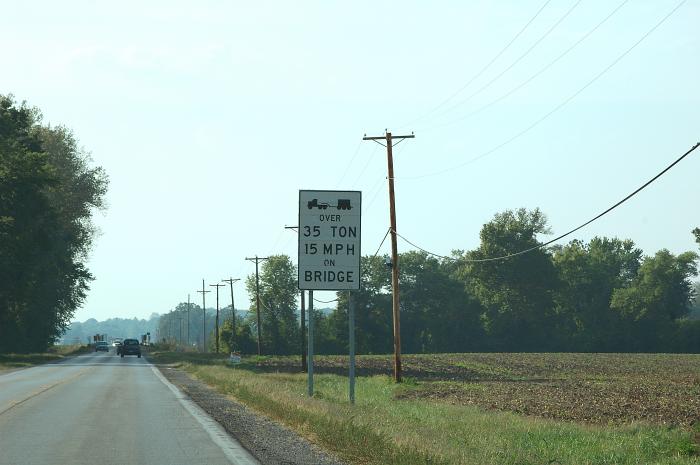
(315, 203)
(343, 204)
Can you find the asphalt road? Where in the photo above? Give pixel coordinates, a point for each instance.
(102, 409)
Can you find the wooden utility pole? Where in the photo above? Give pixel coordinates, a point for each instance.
(217, 286)
(303, 317)
(188, 320)
(257, 260)
(394, 250)
(230, 281)
(204, 318)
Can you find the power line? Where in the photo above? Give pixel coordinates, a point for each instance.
(364, 168)
(558, 107)
(279, 236)
(352, 159)
(381, 243)
(374, 194)
(512, 65)
(377, 187)
(482, 71)
(534, 76)
(325, 301)
(600, 215)
(264, 305)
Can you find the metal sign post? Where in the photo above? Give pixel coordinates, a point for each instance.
(329, 251)
(351, 339)
(310, 358)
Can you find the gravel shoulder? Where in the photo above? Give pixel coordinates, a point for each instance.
(270, 442)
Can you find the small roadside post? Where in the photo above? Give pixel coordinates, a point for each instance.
(329, 256)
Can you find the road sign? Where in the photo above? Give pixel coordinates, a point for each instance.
(329, 240)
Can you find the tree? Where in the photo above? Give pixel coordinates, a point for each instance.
(517, 293)
(48, 193)
(278, 293)
(243, 341)
(659, 295)
(696, 233)
(437, 312)
(589, 273)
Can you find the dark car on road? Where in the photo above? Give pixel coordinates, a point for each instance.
(101, 346)
(130, 347)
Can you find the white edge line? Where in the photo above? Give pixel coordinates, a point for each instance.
(233, 450)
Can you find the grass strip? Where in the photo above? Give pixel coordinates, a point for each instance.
(356, 443)
(382, 429)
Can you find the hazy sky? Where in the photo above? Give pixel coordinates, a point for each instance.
(210, 116)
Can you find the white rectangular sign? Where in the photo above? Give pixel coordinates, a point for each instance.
(329, 240)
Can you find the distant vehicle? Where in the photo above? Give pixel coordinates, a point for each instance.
(130, 347)
(101, 346)
(116, 342)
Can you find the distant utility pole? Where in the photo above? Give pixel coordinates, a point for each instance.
(217, 286)
(257, 260)
(389, 144)
(230, 281)
(188, 320)
(204, 318)
(179, 320)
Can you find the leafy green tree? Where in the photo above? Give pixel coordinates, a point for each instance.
(169, 325)
(278, 294)
(373, 314)
(659, 295)
(48, 192)
(437, 312)
(331, 332)
(589, 273)
(243, 341)
(696, 233)
(373, 309)
(517, 293)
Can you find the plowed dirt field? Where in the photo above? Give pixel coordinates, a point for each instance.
(590, 388)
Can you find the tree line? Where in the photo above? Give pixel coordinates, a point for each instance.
(82, 332)
(604, 295)
(48, 192)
